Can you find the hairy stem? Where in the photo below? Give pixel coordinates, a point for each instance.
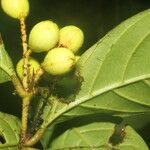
(37, 76)
(18, 86)
(25, 109)
(26, 54)
(35, 138)
(28, 83)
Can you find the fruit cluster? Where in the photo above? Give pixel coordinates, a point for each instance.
(60, 45)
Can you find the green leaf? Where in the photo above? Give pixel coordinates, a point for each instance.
(116, 72)
(116, 69)
(47, 137)
(99, 136)
(6, 66)
(137, 121)
(9, 132)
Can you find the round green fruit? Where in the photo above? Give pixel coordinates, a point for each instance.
(71, 37)
(59, 61)
(16, 8)
(34, 66)
(43, 36)
(77, 58)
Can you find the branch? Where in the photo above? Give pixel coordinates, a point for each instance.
(18, 86)
(26, 54)
(25, 109)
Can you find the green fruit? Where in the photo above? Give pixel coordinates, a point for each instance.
(16, 8)
(71, 37)
(33, 66)
(59, 61)
(77, 58)
(43, 36)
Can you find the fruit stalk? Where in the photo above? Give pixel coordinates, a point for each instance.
(37, 76)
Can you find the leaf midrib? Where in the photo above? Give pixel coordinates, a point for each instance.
(86, 98)
(134, 50)
(6, 70)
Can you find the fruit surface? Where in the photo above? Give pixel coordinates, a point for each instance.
(59, 61)
(43, 36)
(16, 8)
(71, 37)
(77, 58)
(33, 66)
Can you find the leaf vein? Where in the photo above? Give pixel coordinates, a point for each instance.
(124, 96)
(126, 29)
(132, 54)
(81, 136)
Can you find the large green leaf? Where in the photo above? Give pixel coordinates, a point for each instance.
(9, 132)
(99, 136)
(6, 66)
(137, 121)
(115, 72)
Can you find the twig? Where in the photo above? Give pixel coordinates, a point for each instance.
(26, 54)
(38, 74)
(34, 80)
(35, 138)
(18, 86)
(28, 84)
(25, 109)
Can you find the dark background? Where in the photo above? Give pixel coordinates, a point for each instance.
(94, 17)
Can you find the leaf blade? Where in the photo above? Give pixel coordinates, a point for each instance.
(106, 56)
(9, 130)
(6, 66)
(97, 135)
(115, 71)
